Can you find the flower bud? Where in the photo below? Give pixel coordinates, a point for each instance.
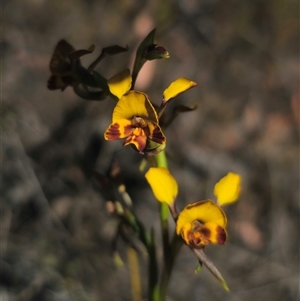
(154, 52)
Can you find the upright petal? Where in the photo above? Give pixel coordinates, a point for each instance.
(228, 189)
(120, 83)
(177, 87)
(163, 184)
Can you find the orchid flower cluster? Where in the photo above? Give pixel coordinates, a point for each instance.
(137, 121)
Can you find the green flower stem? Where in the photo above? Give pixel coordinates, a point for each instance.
(170, 249)
(161, 161)
(164, 215)
(153, 289)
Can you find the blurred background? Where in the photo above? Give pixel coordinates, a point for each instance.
(56, 233)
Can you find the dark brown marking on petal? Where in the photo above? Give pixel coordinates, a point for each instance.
(206, 232)
(157, 135)
(128, 130)
(198, 236)
(113, 132)
(221, 235)
(205, 236)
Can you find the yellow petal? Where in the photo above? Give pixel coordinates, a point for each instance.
(203, 211)
(228, 189)
(163, 184)
(134, 104)
(177, 87)
(120, 83)
(184, 231)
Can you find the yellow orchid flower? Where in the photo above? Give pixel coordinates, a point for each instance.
(204, 222)
(201, 223)
(134, 117)
(163, 184)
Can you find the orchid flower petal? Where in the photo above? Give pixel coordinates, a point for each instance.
(177, 87)
(228, 189)
(119, 129)
(120, 83)
(163, 184)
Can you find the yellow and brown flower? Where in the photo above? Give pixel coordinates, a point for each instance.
(134, 117)
(201, 223)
